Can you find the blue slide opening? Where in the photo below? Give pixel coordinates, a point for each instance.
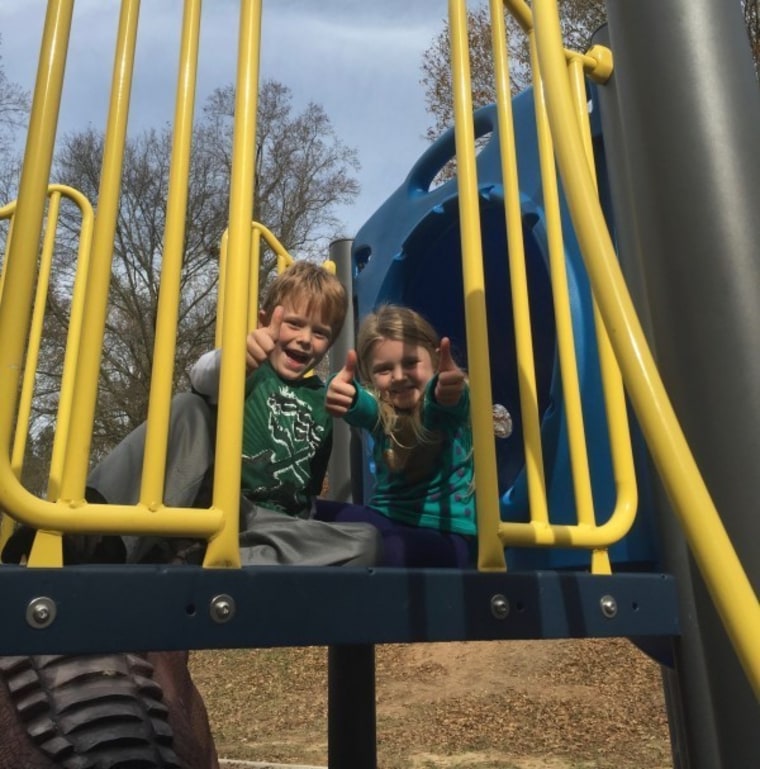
(409, 252)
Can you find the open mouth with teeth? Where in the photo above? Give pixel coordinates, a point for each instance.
(296, 357)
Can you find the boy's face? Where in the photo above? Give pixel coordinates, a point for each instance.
(302, 341)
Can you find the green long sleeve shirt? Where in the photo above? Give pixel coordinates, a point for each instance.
(428, 485)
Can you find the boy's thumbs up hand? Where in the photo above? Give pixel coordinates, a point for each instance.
(450, 385)
(341, 391)
(261, 342)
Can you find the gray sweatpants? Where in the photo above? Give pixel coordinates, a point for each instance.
(266, 537)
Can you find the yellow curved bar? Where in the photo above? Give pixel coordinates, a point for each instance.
(528, 389)
(587, 536)
(51, 553)
(55, 193)
(80, 517)
(726, 580)
(284, 260)
(568, 364)
(623, 468)
(597, 62)
(74, 335)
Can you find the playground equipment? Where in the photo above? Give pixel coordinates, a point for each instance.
(541, 310)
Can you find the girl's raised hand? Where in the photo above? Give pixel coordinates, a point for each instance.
(450, 385)
(341, 391)
(260, 343)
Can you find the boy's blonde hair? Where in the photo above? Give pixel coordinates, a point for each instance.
(400, 324)
(320, 291)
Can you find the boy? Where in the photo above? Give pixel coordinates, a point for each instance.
(287, 437)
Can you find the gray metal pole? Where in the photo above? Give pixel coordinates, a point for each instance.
(351, 710)
(681, 121)
(339, 468)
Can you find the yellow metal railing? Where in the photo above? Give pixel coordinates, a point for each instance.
(495, 534)
(562, 124)
(558, 82)
(66, 394)
(726, 580)
(66, 510)
(284, 260)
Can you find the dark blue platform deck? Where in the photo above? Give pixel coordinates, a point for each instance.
(140, 608)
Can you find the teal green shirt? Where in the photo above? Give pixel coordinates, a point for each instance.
(429, 484)
(287, 438)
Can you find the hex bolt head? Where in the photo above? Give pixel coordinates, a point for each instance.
(499, 606)
(222, 608)
(609, 606)
(41, 611)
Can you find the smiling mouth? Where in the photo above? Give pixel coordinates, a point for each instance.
(297, 357)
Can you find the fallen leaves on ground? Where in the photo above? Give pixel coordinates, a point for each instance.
(568, 704)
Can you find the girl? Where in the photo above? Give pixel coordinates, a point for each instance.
(414, 401)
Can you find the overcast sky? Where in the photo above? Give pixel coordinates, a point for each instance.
(359, 59)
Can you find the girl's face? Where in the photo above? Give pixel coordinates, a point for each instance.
(400, 371)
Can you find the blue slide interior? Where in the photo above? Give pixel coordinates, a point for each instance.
(409, 253)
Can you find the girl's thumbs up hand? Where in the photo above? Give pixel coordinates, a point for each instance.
(450, 385)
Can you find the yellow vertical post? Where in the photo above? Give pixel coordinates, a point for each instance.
(534, 460)
(35, 337)
(222, 282)
(223, 548)
(162, 372)
(490, 550)
(253, 281)
(22, 257)
(20, 266)
(78, 450)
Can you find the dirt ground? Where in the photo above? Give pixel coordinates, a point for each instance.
(590, 704)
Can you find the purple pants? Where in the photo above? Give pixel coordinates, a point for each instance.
(404, 545)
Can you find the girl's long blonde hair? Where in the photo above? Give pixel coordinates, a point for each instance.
(400, 324)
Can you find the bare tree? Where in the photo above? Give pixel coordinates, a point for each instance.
(579, 19)
(303, 172)
(14, 111)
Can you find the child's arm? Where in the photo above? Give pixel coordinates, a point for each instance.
(341, 392)
(451, 379)
(204, 375)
